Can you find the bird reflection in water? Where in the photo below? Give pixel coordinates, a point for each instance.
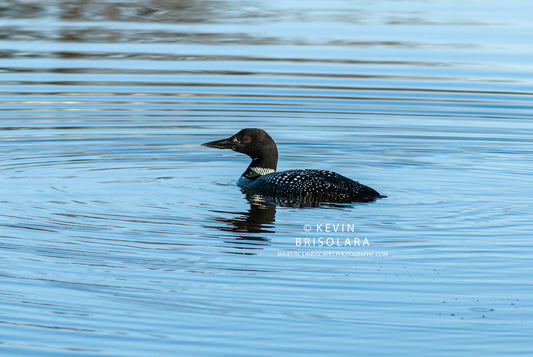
(260, 218)
(248, 227)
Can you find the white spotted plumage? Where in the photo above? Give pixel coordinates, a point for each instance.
(323, 184)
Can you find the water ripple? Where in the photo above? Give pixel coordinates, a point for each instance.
(119, 230)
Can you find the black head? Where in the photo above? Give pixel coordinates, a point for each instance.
(255, 143)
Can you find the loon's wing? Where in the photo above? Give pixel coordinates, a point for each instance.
(322, 184)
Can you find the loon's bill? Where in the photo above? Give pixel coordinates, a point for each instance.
(261, 177)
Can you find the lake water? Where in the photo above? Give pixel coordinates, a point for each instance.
(121, 236)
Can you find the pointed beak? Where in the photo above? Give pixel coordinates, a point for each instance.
(221, 144)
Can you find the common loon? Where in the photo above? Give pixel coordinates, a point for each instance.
(261, 177)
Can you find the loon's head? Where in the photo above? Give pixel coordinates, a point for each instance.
(255, 143)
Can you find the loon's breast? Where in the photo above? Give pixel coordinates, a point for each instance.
(321, 184)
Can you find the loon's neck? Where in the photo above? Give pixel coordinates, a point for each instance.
(262, 165)
(253, 172)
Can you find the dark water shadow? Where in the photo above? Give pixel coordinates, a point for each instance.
(248, 227)
(251, 226)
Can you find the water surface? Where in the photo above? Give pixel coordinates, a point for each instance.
(121, 235)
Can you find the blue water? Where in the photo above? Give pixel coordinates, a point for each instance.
(120, 235)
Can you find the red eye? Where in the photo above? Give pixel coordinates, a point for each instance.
(246, 139)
